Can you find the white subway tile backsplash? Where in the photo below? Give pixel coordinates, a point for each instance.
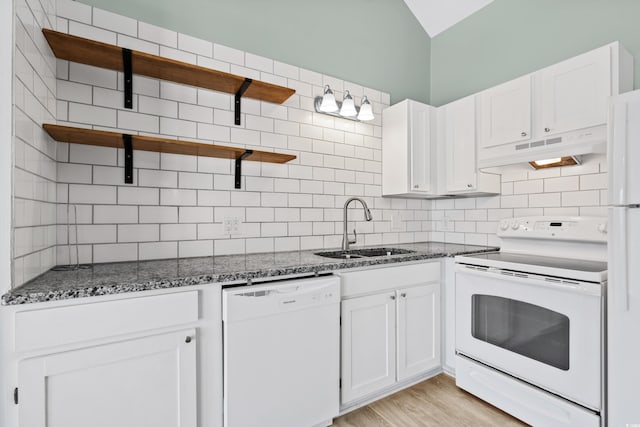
(95, 76)
(158, 35)
(175, 197)
(158, 214)
(195, 248)
(137, 44)
(115, 252)
(195, 180)
(138, 196)
(195, 45)
(73, 10)
(157, 250)
(139, 122)
(138, 233)
(227, 54)
(177, 92)
(81, 113)
(195, 214)
(570, 183)
(157, 107)
(155, 178)
(176, 127)
(245, 198)
(195, 113)
(228, 247)
(581, 198)
(92, 194)
(178, 55)
(105, 214)
(74, 173)
(115, 22)
(594, 181)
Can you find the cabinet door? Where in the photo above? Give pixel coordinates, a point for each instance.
(574, 93)
(420, 147)
(368, 345)
(506, 113)
(460, 145)
(142, 382)
(418, 330)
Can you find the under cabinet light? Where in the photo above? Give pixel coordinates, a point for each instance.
(346, 109)
(554, 162)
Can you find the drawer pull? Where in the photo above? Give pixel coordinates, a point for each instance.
(187, 339)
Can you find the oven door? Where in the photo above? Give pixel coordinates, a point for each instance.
(535, 328)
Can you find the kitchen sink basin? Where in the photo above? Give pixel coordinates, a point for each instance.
(364, 253)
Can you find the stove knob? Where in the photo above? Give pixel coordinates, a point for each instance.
(602, 228)
(515, 225)
(504, 225)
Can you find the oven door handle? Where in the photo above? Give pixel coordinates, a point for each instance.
(534, 280)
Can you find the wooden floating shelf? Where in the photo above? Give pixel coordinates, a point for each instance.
(91, 52)
(161, 145)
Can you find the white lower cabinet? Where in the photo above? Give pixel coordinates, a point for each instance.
(368, 345)
(148, 381)
(137, 360)
(418, 330)
(391, 335)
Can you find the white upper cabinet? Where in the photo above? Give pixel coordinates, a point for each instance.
(558, 111)
(407, 150)
(573, 93)
(457, 141)
(506, 113)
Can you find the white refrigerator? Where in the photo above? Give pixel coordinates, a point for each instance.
(623, 293)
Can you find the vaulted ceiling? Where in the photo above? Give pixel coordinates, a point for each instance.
(435, 16)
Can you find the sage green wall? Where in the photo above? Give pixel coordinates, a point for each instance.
(374, 43)
(509, 38)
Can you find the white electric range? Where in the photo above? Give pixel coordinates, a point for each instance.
(529, 320)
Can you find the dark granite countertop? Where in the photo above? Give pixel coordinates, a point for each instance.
(115, 278)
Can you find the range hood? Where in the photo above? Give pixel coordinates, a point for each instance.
(570, 144)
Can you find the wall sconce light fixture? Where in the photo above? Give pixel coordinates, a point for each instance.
(346, 109)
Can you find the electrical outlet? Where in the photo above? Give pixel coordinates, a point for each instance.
(232, 225)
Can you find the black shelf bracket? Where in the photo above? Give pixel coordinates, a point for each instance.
(239, 93)
(128, 158)
(239, 167)
(128, 78)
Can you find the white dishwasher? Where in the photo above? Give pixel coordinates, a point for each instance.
(282, 353)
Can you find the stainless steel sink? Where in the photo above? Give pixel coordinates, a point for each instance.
(363, 253)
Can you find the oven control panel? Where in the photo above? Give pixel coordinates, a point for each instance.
(582, 229)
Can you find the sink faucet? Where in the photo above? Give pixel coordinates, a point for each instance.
(345, 235)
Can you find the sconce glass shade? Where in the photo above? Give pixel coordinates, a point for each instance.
(328, 104)
(348, 108)
(366, 110)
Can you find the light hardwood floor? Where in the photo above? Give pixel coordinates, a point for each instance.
(434, 402)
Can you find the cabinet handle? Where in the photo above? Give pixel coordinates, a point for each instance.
(547, 130)
(187, 339)
(403, 295)
(523, 134)
(469, 185)
(392, 297)
(416, 186)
